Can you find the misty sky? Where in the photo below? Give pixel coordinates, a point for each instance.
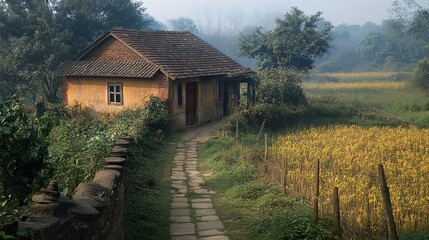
(252, 12)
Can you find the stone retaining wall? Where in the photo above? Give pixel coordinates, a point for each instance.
(95, 212)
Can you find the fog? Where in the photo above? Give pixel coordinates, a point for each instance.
(209, 13)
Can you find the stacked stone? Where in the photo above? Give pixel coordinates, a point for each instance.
(192, 214)
(94, 212)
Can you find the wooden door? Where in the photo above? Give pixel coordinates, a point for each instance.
(191, 103)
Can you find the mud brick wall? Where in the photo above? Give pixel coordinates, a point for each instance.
(94, 212)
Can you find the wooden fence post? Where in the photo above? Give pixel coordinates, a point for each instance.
(316, 194)
(284, 176)
(236, 133)
(266, 154)
(368, 217)
(336, 213)
(388, 210)
(260, 131)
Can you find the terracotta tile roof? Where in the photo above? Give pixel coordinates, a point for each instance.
(178, 54)
(132, 69)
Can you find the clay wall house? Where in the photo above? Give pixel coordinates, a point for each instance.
(122, 68)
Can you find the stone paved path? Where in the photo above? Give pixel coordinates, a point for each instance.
(192, 214)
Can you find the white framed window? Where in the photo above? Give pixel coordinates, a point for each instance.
(115, 94)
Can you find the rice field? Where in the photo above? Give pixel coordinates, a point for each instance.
(395, 98)
(355, 85)
(348, 156)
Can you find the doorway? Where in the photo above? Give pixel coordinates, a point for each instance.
(191, 103)
(225, 99)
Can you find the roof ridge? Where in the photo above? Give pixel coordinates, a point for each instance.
(146, 31)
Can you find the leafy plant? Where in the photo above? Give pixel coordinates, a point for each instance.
(23, 147)
(421, 74)
(156, 116)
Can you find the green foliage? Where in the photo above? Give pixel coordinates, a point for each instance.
(77, 149)
(280, 98)
(148, 199)
(291, 224)
(279, 86)
(393, 48)
(294, 43)
(88, 19)
(37, 35)
(156, 117)
(80, 141)
(414, 236)
(22, 150)
(183, 24)
(249, 207)
(421, 74)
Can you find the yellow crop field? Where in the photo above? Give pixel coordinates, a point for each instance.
(354, 85)
(349, 156)
(359, 74)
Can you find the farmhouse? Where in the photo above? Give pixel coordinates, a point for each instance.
(123, 68)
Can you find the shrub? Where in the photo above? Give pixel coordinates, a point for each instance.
(280, 99)
(156, 117)
(276, 115)
(279, 86)
(22, 150)
(421, 74)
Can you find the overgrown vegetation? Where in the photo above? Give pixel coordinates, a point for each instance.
(249, 206)
(23, 148)
(147, 199)
(66, 145)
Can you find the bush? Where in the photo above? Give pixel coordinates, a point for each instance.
(421, 74)
(156, 117)
(291, 225)
(22, 150)
(276, 115)
(280, 99)
(279, 86)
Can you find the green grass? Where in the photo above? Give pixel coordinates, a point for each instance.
(248, 206)
(407, 104)
(147, 199)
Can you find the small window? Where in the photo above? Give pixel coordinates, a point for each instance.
(179, 94)
(115, 93)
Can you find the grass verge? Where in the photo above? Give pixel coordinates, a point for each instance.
(147, 199)
(249, 207)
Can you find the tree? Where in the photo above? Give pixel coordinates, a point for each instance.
(183, 24)
(87, 19)
(37, 35)
(32, 45)
(294, 43)
(392, 48)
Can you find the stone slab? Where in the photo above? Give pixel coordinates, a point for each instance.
(179, 199)
(176, 212)
(201, 200)
(210, 225)
(177, 229)
(205, 212)
(179, 205)
(200, 205)
(181, 219)
(220, 237)
(187, 237)
(211, 232)
(208, 218)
